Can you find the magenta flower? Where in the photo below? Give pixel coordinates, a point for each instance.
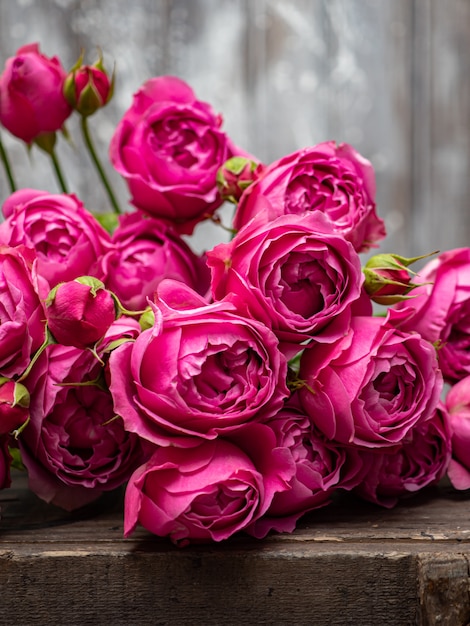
(31, 98)
(145, 251)
(295, 273)
(420, 460)
(80, 311)
(74, 448)
(440, 311)
(208, 491)
(328, 178)
(458, 406)
(201, 371)
(371, 387)
(22, 326)
(168, 147)
(67, 239)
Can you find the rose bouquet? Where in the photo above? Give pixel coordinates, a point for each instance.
(231, 391)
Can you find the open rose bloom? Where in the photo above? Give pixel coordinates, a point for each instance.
(233, 390)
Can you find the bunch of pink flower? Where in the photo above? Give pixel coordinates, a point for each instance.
(233, 391)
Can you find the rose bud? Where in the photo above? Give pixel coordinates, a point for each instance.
(87, 88)
(235, 176)
(79, 312)
(31, 98)
(14, 405)
(388, 279)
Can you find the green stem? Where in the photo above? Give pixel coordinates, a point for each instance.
(99, 167)
(7, 166)
(58, 171)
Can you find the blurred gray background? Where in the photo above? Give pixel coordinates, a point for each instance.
(390, 77)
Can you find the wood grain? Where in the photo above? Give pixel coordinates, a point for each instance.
(350, 563)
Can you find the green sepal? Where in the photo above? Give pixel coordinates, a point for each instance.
(147, 319)
(46, 141)
(21, 396)
(109, 221)
(16, 461)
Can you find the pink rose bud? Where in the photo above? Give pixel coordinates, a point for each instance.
(79, 312)
(235, 176)
(87, 88)
(388, 279)
(14, 405)
(31, 98)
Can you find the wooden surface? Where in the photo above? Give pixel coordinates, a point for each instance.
(351, 563)
(388, 76)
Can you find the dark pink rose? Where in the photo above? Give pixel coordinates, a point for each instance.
(80, 311)
(31, 98)
(145, 252)
(440, 310)
(371, 387)
(74, 447)
(168, 147)
(321, 467)
(201, 370)
(295, 274)
(328, 178)
(22, 326)
(210, 491)
(458, 407)
(420, 460)
(67, 238)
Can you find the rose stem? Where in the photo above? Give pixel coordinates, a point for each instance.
(58, 171)
(99, 167)
(7, 166)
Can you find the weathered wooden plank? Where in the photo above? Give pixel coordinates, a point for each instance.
(444, 589)
(351, 563)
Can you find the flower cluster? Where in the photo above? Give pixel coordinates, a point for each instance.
(234, 390)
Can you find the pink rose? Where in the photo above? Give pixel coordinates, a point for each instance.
(420, 460)
(458, 406)
(146, 251)
(440, 311)
(371, 387)
(80, 311)
(22, 327)
(210, 491)
(168, 147)
(67, 238)
(202, 370)
(328, 178)
(31, 98)
(321, 467)
(295, 274)
(74, 448)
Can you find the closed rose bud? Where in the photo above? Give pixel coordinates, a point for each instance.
(388, 279)
(31, 98)
(235, 176)
(79, 312)
(14, 405)
(87, 88)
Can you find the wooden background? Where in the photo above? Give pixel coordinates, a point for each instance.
(390, 77)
